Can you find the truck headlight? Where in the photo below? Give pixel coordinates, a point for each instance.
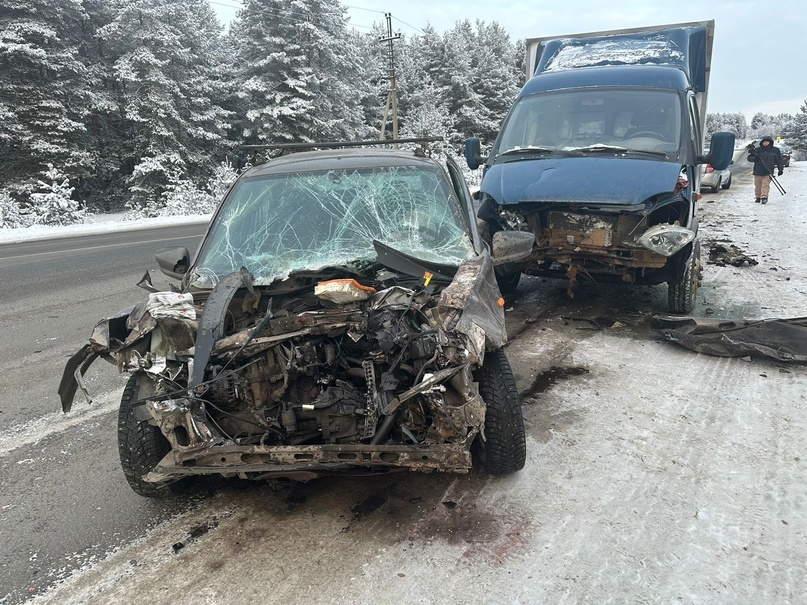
(666, 239)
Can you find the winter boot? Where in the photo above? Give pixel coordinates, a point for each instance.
(763, 200)
(757, 200)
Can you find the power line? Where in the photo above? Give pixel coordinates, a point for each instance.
(361, 8)
(222, 4)
(286, 13)
(412, 26)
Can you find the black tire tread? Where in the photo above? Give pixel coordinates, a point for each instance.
(505, 446)
(683, 294)
(140, 445)
(508, 282)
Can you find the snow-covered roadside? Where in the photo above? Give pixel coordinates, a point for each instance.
(96, 223)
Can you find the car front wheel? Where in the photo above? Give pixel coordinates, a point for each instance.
(504, 449)
(141, 445)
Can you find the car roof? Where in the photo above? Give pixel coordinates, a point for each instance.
(330, 159)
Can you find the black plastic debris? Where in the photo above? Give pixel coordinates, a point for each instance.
(729, 254)
(780, 339)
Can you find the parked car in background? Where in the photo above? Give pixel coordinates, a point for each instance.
(340, 315)
(785, 154)
(715, 180)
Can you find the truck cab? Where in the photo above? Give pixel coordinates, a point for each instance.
(599, 158)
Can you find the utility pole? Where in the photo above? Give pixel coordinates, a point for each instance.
(392, 97)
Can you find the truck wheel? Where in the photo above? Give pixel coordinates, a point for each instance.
(141, 445)
(504, 449)
(682, 294)
(508, 282)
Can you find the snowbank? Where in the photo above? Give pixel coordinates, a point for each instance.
(96, 223)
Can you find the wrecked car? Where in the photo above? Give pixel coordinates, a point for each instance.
(340, 314)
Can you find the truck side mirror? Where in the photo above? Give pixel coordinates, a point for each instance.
(473, 152)
(511, 246)
(173, 261)
(721, 151)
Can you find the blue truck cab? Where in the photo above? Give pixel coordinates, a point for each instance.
(599, 159)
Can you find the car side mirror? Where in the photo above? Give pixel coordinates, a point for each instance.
(511, 246)
(473, 152)
(174, 261)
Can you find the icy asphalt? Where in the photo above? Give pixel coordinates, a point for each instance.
(654, 474)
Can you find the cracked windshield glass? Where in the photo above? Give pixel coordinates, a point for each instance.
(276, 224)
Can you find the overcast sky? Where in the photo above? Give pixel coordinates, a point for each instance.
(756, 62)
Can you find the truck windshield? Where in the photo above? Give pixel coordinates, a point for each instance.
(636, 120)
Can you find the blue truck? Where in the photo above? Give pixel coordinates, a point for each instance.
(599, 158)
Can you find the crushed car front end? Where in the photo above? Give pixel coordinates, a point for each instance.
(333, 352)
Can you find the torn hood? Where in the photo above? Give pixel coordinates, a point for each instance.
(604, 180)
(188, 325)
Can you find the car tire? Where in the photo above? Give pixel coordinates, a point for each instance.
(504, 449)
(508, 282)
(682, 294)
(716, 188)
(141, 445)
(727, 184)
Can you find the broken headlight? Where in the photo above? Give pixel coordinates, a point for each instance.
(666, 239)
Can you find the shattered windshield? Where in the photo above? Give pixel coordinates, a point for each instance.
(276, 224)
(595, 121)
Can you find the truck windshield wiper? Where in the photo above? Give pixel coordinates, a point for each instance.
(528, 149)
(650, 152)
(599, 147)
(609, 148)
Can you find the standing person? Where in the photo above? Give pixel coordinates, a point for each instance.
(766, 157)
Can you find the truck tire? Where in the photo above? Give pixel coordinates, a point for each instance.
(141, 445)
(504, 449)
(682, 294)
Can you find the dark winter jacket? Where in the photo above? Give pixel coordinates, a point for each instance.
(766, 159)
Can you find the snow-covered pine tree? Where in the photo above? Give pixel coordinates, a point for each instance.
(795, 131)
(726, 122)
(168, 87)
(457, 74)
(298, 71)
(43, 90)
(498, 76)
(52, 203)
(12, 213)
